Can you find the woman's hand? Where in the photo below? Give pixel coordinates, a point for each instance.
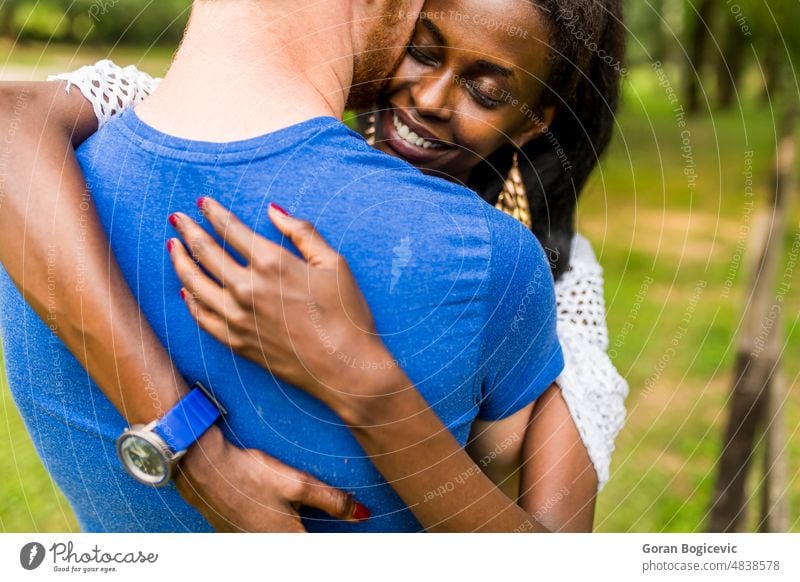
(304, 320)
(240, 490)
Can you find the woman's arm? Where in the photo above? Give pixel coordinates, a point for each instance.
(558, 484)
(53, 247)
(537, 457)
(404, 437)
(591, 386)
(567, 451)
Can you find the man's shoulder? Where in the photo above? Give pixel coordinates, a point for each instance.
(371, 168)
(510, 237)
(519, 263)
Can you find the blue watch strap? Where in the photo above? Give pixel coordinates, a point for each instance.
(188, 420)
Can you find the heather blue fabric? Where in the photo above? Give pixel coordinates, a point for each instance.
(461, 293)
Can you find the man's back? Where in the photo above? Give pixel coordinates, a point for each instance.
(461, 295)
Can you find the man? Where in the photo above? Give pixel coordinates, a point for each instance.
(266, 79)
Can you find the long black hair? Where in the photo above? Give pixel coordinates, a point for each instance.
(587, 39)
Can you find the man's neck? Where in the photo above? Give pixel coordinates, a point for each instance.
(245, 69)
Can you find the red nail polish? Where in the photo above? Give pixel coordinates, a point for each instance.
(183, 294)
(279, 209)
(170, 244)
(173, 219)
(200, 202)
(361, 512)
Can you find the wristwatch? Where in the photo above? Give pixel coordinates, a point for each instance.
(150, 453)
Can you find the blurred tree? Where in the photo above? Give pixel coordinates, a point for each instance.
(7, 10)
(758, 395)
(654, 23)
(776, 43)
(737, 39)
(699, 15)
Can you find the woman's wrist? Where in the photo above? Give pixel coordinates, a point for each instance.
(203, 459)
(362, 397)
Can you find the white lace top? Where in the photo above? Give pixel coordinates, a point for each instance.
(593, 389)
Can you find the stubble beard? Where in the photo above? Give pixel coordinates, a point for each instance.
(385, 49)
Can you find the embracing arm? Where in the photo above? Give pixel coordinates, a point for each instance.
(537, 457)
(405, 439)
(430, 470)
(558, 483)
(55, 250)
(568, 446)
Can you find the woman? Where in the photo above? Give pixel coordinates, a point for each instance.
(454, 111)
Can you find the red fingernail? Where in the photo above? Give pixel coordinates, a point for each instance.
(361, 512)
(173, 219)
(200, 202)
(183, 294)
(279, 209)
(170, 244)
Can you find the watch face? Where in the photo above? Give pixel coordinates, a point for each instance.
(143, 460)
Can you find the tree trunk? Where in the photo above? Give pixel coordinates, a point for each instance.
(775, 489)
(7, 9)
(730, 63)
(772, 71)
(699, 26)
(656, 24)
(759, 346)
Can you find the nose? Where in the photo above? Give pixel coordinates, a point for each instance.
(431, 95)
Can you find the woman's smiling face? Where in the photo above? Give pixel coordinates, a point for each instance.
(471, 82)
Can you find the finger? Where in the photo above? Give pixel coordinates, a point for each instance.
(192, 277)
(305, 237)
(312, 492)
(232, 230)
(206, 318)
(214, 324)
(204, 249)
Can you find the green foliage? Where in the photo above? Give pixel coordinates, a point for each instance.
(140, 22)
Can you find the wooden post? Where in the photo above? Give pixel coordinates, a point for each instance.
(774, 492)
(759, 347)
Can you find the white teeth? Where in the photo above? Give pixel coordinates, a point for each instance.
(405, 132)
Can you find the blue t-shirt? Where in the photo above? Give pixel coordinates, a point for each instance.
(461, 294)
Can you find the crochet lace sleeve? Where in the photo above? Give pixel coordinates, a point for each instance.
(109, 88)
(593, 389)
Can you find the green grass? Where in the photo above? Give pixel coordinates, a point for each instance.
(29, 501)
(646, 225)
(34, 61)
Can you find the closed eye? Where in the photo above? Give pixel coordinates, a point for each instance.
(481, 96)
(419, 56)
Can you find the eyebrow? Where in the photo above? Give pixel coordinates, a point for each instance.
(434, 30)
(486, 65)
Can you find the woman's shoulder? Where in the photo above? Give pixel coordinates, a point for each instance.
(108, 87)
(582, 255)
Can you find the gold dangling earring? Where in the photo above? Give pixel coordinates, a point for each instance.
(513, 199)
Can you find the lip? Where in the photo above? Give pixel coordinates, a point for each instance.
(420, 130)
(411, 153)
